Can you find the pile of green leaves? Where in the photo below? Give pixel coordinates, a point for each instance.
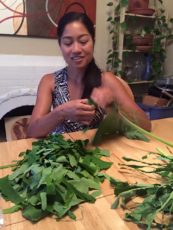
(156, 207)
(53, 178)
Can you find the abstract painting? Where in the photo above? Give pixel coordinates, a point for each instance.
(39, 18)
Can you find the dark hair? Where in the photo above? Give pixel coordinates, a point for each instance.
(72, 17)
(92, 77)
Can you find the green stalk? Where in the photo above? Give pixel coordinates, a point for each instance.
(146, 132)
(7, 166)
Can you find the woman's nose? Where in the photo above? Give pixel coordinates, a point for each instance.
(76, 47)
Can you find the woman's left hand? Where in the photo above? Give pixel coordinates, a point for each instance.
(102, 96)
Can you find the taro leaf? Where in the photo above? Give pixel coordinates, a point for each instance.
(101, 164)
(7, 166)
(98, 152)
(79, 192)
(72, 160)
(34, 214)
(84, 184)
(92, 102)
(88, 165)
(108, 127)
(19, 171)
(115, 124)
(15, 208)
(58, 174)
(34, 200)
(79, 185)
(62, 159)
(72, 175)
(8, 192)
(71, 215)
(45, 173)
(43, 197)
(61, 209)
(135, 134)
(96, 193)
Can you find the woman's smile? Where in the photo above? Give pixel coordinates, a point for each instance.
(77, 59)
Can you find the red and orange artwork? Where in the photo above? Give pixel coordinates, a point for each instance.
(39, 18)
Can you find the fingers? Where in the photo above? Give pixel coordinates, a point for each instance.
(87, 106)
(79, 110)
(102, 96)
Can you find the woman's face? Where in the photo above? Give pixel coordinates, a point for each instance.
(76, 45)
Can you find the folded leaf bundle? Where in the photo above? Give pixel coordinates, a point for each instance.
(115, 123)
(53, 177)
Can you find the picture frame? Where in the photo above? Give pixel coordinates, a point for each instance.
(39, 18)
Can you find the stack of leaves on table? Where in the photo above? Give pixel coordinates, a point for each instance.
(54, 177)
(156, 208)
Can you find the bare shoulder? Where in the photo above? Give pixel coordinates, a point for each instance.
(109, 79)
(116, 84)
(48, 81)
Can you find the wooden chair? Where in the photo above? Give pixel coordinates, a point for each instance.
(127, 87)
(16, 127)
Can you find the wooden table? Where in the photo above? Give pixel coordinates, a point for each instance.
(97, 216)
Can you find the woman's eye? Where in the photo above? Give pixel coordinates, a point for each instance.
(83, 42)
(67, 43)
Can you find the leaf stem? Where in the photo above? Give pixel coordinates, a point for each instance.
(146, 132)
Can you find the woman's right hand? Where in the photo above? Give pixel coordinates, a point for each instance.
(78, 110)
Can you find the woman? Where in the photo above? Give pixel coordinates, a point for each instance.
(68, 89)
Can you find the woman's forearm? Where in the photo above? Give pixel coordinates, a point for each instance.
(42, 126)
(138, 117)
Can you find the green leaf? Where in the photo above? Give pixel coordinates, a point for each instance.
(72, 160)
(62, 159)
(109, 127)
(13, 209)
(8, 192)
(96, 193)
(82, 195)
(60, 209)
(7, 166)
(115, 204)
(45, 173)
(19, 171)
(43, 197)
(134, 134)
(101, 164)
(34, 214)
(71, 215)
